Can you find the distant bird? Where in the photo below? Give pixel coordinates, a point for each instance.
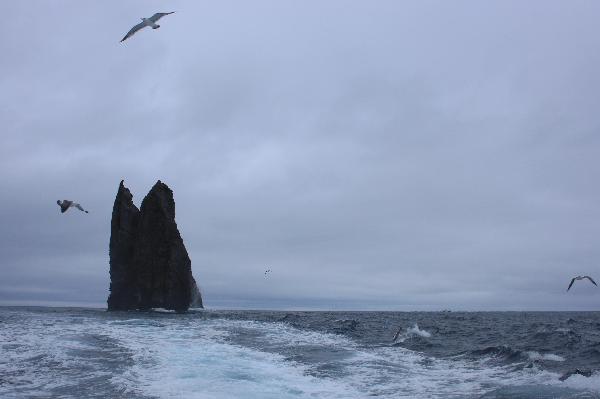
(267, 272)
(146, 22)
(581, 278)
(66, 204)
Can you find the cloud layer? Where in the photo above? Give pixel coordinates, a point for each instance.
(397, 155)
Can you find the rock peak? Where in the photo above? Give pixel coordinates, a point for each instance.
(149, 264)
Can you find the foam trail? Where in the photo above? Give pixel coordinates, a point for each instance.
(202, 365)
(166, 356)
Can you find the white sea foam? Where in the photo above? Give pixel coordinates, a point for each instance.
(533, 355)
(415, 330)
(178, 364)
(221, 369)
(396, 372)
(577, 381)
(222, 358)
(163, 310)
(412, 332)
(42, 352)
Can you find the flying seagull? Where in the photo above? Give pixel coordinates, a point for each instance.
(66, 204)
(397, 334)
(581, 278)
(146, 22)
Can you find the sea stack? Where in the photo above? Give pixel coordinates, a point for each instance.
(149, 265)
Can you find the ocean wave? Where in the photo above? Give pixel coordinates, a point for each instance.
(568, 374)
(564, 330)
(209, 369)
(343, 326)
(507, 354)
(503, 352)
(536, 356)
(224, 357)
(422, 376)
(411, 332)
(585, 382)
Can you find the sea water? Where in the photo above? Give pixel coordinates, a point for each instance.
(91, 353)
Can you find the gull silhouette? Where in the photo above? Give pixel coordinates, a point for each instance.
(581, 278)
(146, 22)
(66, 204)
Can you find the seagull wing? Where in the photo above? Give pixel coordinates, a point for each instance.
(592, 280)
(159, 15)
(78, 206)
(133, 30)
(572, 281)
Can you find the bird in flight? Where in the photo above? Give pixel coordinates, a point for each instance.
(66, 204)
(581, 278)
(146, 22)
(397, 334)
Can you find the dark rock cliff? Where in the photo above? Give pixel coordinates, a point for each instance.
(124, 222)
(149, 265)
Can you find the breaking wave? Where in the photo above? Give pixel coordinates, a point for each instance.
(411, 332)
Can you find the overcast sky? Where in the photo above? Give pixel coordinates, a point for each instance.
(372, 154)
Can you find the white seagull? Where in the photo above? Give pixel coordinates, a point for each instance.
(66, 204)
(146, 22)
(581, 278)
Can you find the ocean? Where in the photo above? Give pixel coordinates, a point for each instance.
(91, 353)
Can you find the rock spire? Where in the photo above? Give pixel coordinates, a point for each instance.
(149, 265)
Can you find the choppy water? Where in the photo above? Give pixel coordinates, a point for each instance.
(87, 353)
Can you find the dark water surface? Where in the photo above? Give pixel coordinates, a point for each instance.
(80, 353)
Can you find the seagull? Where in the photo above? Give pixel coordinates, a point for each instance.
(581, 278)
(146, 22)
(66, 204)
(397, 334)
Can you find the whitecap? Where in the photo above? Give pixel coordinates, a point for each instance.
(415, 330)
(533, 356)
(411, 332)
(581, 382)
